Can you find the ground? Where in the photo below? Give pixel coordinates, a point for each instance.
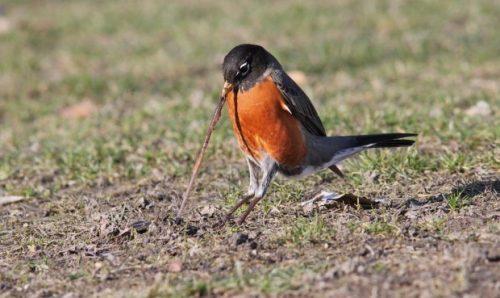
(104, 104)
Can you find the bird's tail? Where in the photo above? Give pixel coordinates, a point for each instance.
(331, 150)
(377, 140)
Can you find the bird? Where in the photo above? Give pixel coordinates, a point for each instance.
(277, 127)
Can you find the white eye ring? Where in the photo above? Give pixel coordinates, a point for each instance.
(244, 68)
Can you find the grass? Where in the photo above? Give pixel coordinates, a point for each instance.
(456, 201)
(309, 230)
(380, 228)
(151, 73)
(271, 282)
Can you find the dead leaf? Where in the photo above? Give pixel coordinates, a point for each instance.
(481, 108)
(5, 25)
(126, 232)
(10, 199)
(80, 110)
(208, 210)
(327, 200)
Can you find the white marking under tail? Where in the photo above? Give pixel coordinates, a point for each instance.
(338, 157)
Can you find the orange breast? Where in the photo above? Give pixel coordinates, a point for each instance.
(262, 123)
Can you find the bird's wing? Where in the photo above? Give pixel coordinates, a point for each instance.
(301, 107)
(298, 103)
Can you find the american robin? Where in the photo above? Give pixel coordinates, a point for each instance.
(278, 128)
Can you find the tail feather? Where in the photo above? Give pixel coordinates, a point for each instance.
(331, 150)
(379, 140)
(393, 143)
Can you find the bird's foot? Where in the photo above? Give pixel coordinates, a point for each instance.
(251, 206)
(242, 201)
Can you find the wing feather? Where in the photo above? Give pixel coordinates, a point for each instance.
(300, 106)
(298, 103)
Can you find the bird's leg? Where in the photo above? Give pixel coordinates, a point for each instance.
(238, 204)
(268, 169)
(252, 187)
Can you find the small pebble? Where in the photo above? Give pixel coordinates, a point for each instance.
(239, 238)
(191, 230)
(175, 266)
(141, 226)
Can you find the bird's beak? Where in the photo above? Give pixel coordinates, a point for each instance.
(227, 88)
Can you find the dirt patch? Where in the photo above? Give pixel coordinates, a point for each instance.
(127, 236)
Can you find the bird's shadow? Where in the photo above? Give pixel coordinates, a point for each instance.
(465, 191)
(477, 187)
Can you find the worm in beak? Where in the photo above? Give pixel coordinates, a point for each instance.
(228, 87)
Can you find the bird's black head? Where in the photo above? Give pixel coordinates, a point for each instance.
(246, 64)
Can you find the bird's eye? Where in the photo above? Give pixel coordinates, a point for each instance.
(244, 68)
